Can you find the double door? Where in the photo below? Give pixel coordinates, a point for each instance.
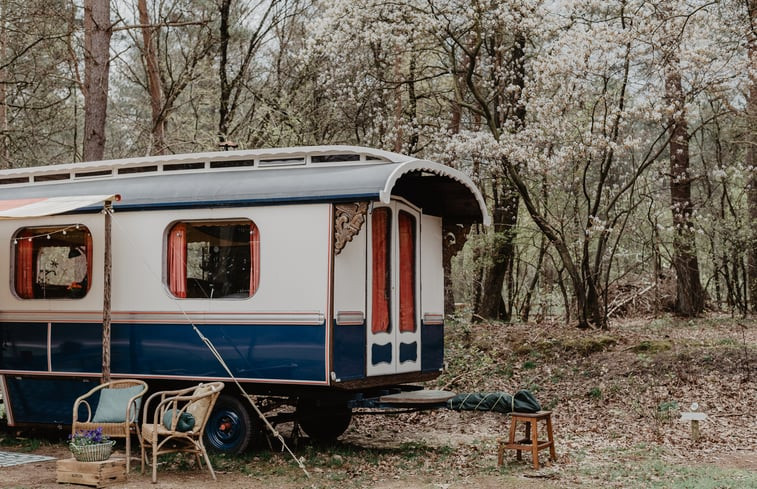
(393, 323)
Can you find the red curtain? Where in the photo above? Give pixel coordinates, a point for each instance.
(381, 262)
(177, 260)
(88, 244)
(24, 267)
(254, 258)
(406, 224)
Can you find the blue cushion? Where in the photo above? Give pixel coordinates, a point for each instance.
(112, 405)
(185, 422)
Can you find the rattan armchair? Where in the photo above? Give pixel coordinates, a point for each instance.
(116, 412)
(190, 407)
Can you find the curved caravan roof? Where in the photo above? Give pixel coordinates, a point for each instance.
(250, 177)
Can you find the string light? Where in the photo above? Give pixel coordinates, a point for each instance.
(49, 234)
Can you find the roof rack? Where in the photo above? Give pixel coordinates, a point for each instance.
(293, 157)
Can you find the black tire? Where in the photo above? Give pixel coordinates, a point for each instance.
(230, 427)
(323, 422)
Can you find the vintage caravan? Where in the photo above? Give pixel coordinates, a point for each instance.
(316, 273)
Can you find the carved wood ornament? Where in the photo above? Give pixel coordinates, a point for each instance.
(348, 219)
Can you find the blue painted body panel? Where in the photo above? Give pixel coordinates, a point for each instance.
(349, 352)
(24, 346)
(381, 353)
(432, 347)
(288, 353)
(408, 352)
(44, 400)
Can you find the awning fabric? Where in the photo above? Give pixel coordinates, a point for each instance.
(48, 206)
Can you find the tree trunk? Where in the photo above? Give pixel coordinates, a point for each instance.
(751, 154)
(158, 145)
(97, 33)
(525, 311)
(501, 251)
(689, 292)
(225, 37)
(398, 135)
(585, 315)
(4, 153)
(506, 200)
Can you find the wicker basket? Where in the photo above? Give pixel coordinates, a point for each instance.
(92, 453)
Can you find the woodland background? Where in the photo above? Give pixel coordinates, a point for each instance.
(614, 140)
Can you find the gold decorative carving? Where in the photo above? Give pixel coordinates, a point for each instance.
(348, 219)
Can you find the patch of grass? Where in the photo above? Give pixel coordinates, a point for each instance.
(652, 346)
(708, 477)
(535, 349)
(644, 465)
(529, 365)
(587, 345)
(413, 449)
(505, 371)
(667, 406)
(551, 404)
(595, 393)
(21, 444)
(659, 474)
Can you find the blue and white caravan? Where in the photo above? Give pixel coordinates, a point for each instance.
(315, 271)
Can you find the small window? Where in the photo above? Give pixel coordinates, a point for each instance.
(381, 229)
(213, 259)
(52, 262)
(406, 223)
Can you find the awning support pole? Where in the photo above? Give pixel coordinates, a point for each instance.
(107, 267)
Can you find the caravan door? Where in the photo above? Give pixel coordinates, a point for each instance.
(393, 326)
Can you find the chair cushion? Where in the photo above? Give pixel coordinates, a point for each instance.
(112, 405)
(199, 408)
(185, 422)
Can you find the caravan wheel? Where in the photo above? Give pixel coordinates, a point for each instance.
(323, 422)
(230, 427)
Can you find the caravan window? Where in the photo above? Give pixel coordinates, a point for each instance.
(213, 259)
(52, 262)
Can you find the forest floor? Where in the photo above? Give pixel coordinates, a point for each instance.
(616, 396)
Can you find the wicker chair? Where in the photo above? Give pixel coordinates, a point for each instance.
(178, 423)
(117, 410)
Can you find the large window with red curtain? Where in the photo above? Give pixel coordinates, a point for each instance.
(381, 228)
(406, 228)
(213, 259)
(52, 262)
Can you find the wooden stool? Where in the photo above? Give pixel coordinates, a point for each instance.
(531, 441)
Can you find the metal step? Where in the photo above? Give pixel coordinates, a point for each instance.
(416, 398)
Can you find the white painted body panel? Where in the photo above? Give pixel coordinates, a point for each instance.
(350, 277)
(295, 264)
(432, 269)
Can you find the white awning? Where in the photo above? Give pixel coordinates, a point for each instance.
(48, 206)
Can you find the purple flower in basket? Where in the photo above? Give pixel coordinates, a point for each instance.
(88, 437)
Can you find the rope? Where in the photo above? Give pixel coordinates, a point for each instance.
(218, 356)
(260, 414)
